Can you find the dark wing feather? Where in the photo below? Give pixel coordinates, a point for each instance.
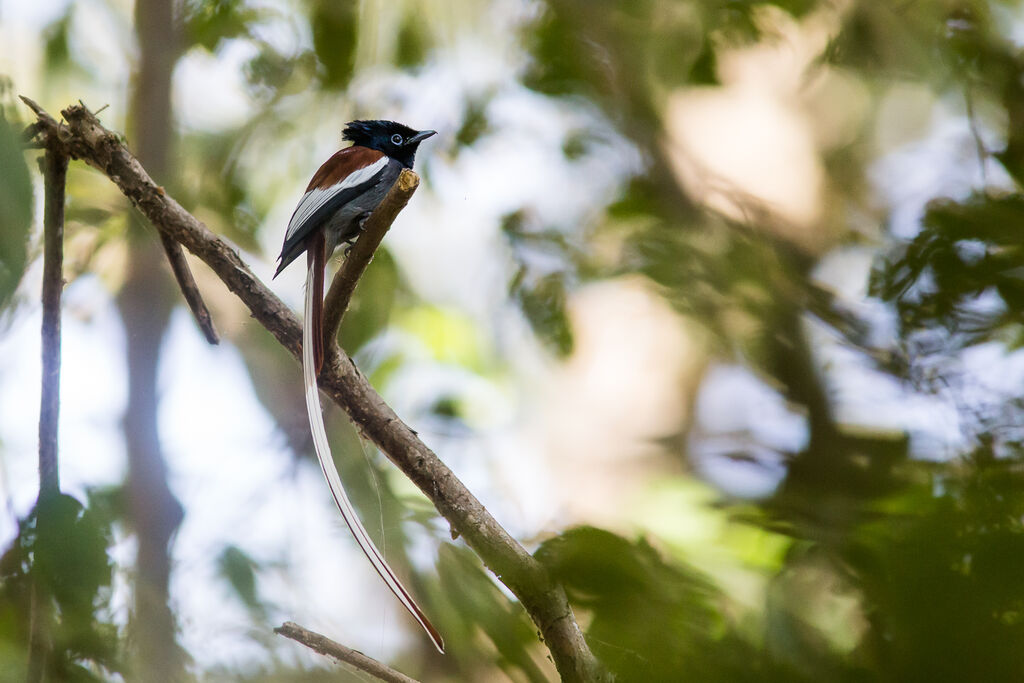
(344, 176)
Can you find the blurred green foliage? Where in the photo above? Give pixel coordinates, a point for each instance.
(472, 603)
(966, 252)
(937, 566)
(639, 605)
(240, 572)
(923, 555)
(15, 203)
(209, 23)
(56, 577)
(334, 27)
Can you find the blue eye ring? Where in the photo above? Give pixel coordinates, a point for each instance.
(396, 139)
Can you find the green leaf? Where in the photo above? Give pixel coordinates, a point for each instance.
(334, 27)
(944, 564)
(58, 569)
(479, 604)
(474, 122)
(210, 22)
(543, 302)
(413, 41)
(15, 210)
(71, 553)
(240, 571)
(55, 37)
(965, 250)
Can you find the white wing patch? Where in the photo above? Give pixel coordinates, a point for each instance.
(317, 197)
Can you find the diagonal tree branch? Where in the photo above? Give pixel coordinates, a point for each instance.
(329, 648)
(545, 601)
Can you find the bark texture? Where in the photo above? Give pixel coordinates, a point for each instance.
(329, 648)
(55, 167)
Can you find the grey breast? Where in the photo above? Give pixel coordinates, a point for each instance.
(345, 224)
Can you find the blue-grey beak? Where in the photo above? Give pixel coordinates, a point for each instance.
(422, 135)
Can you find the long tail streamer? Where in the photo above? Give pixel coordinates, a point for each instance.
(323, 454)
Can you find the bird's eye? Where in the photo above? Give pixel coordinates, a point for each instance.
(396, 139)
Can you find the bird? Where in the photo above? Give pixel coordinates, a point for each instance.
(340, 197)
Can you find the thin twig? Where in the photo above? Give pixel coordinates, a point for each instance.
(347, 655)
(187, 284)
(544, 600)
(56, 137)
(359, 256)
(55, 166)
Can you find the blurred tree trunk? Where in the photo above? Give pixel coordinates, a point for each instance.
(145, 304)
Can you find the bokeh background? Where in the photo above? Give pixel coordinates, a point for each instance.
(714, 304)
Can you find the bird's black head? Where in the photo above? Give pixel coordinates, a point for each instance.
(397, 141)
